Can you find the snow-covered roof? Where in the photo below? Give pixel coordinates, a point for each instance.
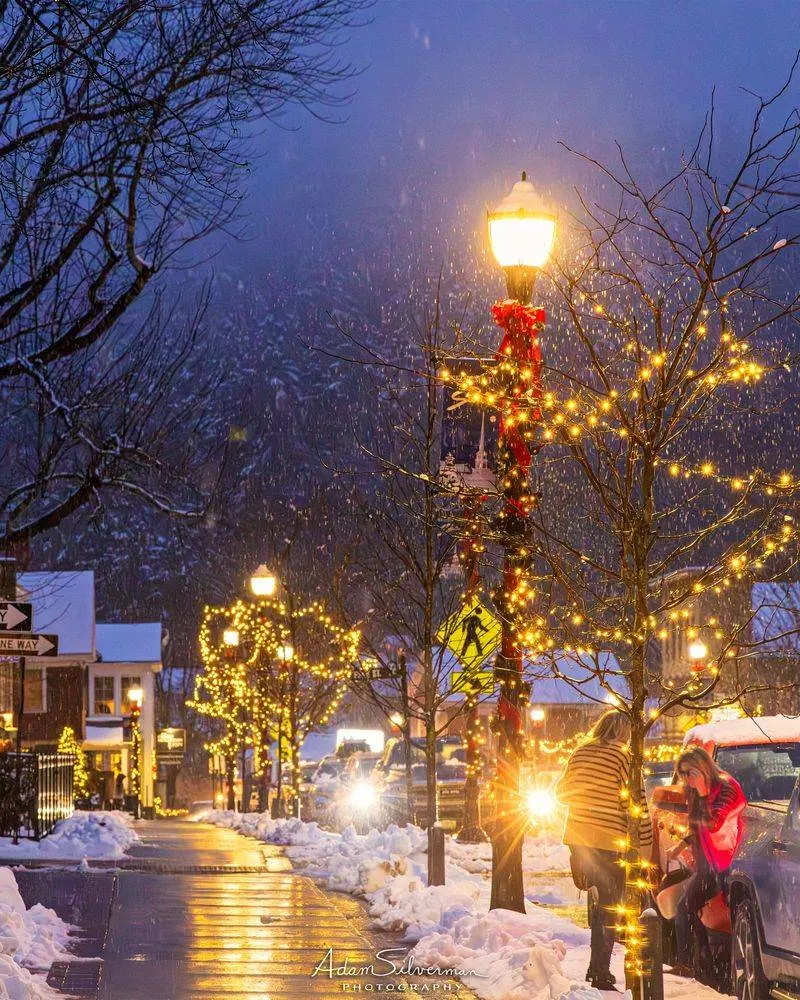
(140, 643)
(734, 732)
(775, 625)
(63, 603)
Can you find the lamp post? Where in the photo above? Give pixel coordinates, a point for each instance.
(135, 699)
(521, 232)
(230, 638)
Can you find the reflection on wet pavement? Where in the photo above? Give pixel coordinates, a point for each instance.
(229, 934)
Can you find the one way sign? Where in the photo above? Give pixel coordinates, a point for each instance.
(28, 644)
(15, 617)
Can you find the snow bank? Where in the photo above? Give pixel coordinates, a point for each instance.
(515, 956)
(34, 938)
(94, 835)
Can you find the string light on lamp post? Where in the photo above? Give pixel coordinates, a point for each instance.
(521, 233)
(135, 700)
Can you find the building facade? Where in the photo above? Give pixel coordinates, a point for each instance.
(86, 686)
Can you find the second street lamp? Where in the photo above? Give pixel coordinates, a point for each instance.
(521, 232)
(135, 700)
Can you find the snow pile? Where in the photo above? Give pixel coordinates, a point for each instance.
(83, 835)
(514, 955)
(349, 862)
(405, 903)
(542, 853)
(35, 938)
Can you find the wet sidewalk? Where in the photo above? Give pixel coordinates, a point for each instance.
(216, 915)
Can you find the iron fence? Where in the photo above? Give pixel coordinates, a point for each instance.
(45, 793)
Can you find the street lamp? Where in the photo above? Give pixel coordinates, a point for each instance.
(698, 654)
(521, 233)
(230, 637)
(263, 583)
(135, 700)
(285, 654)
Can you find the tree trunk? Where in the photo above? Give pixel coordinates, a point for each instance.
(406, 731)
(230, 774)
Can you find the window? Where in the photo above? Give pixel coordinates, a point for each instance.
(34, 689)
(104, 696)
(127, 684)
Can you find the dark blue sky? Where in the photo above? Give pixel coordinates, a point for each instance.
(456, 97)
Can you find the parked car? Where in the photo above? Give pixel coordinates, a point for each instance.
(758, 928)
(320, 795)
(450, 780)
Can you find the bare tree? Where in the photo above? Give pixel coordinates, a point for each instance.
(407, 544)
(121, 131)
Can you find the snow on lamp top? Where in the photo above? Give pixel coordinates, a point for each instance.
(521, 230)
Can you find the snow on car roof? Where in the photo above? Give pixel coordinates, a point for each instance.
(732, 732)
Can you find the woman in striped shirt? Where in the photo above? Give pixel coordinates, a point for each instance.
(592, 787)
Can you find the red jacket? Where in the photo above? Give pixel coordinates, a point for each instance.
(721, 835)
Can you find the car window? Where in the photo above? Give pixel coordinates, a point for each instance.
(766, 773)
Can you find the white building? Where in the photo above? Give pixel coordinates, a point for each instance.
(85, 687)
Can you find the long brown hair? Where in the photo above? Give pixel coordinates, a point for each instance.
(613, 726)
(701, 760)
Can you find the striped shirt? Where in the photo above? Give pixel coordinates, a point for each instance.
(590, 786)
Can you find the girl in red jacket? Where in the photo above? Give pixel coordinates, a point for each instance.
(716, 803)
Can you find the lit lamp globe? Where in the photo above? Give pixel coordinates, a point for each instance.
(230, 637)
(262, 582)
(698, 653)
(135, 698)
(285, 653)
(521, 233)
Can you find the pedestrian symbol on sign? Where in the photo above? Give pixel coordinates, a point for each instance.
(472, 624)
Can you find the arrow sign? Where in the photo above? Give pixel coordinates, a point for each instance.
(15, 617)
(28, 644)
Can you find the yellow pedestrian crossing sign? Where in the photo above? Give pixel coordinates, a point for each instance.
(472, 633)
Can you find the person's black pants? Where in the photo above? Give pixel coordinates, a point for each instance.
(604, 872)
(701, 887)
